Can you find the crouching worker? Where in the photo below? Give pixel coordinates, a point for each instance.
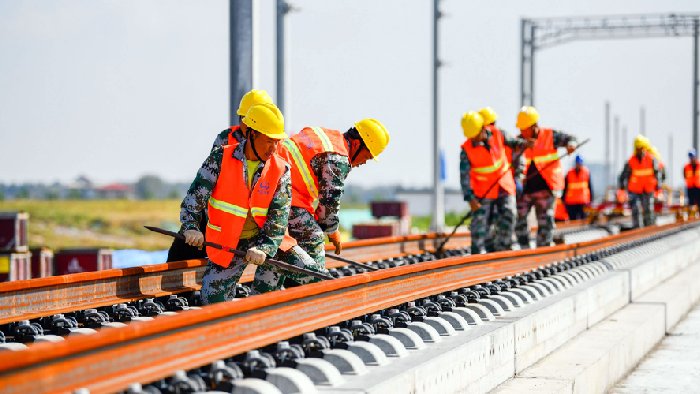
(246, 189)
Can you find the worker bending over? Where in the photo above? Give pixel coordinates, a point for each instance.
(246, 188)
(321, 160)
(544, 179)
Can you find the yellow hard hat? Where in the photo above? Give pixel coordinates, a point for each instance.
(254, 97)
(267, 119)
(488, 114)
(472, 123)
(641, 142)
(527, 117)
(374, 135)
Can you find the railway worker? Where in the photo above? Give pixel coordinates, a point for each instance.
(578, 190)
(544, 179)
(179, 250)
(691, 174)
(246, 188)
(640, 177)
(487, 183)
(490, 117)
(321, 161)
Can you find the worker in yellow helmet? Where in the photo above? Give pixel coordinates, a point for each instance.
(640, 177)
(179, 250)
(321, 160)
(487, 183)
(246, 189)
(544, 179)
(490, 117)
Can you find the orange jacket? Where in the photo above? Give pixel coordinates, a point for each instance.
(507, 149)
(231, 201)
(299, 150)
(488, 167)
(543, 153)
(577, 191)
(642, 178)
(692, 178)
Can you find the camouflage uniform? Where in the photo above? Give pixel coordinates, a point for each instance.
(218, 283)
(645, 199)
(499, 212)
(331, 169)
(538, 194)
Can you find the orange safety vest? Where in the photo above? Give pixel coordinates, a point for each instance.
(488, 167)
(232, 140)
(692, 178)
(577, 191)
(299, 150)
(508, 150)
(543, 153)
(231, 201)
(642, 179)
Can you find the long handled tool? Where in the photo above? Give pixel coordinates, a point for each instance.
(355, 263)
(277, 263)
(469, 214)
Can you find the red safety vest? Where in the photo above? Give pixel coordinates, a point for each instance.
(692, 178)
(232, 140)
(231, 200)
(488, 166)
(299, 150)
(543, 153)
(642, 179)
(577, 191)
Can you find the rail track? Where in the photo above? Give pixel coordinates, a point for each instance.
(112, 359)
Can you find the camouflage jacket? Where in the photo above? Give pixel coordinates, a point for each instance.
(516, 145)
(222, 137)
(195, 202)
(331, 169)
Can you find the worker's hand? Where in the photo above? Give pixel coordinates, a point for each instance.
(474, 204)
(255, 256)
(570, 148)
(194, 238)
(334, 237)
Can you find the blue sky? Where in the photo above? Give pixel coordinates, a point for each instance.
(117, 89)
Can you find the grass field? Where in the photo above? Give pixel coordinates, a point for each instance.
(98, 223)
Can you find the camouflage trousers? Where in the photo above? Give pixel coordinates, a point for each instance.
(646, 200)
(219, 283)
(543, 201)
(304, 228)
(501, 213)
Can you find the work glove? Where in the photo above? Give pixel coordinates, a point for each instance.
(474, 204)
(334, 237)
(194, 238)
(255, 256)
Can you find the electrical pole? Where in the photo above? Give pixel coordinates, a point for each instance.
(623, 151)
(241, 62)
(438, 208)
(608, 170)
(616, 144)
(642, 121)
(282, 9)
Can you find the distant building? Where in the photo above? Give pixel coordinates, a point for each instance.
(116, 191)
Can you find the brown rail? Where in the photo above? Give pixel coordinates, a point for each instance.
(114, 358)
(29, 299)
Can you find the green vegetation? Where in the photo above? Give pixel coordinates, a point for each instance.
(451, 219)
(98, 223)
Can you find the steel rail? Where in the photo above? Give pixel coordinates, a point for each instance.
(112, 359)
(30, 299)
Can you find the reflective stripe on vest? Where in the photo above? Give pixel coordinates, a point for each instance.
(642, 179)
(542, 154)
(299, 150)
(489, 167)
(231, 200)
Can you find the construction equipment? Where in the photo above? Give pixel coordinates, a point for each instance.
(279, 264)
